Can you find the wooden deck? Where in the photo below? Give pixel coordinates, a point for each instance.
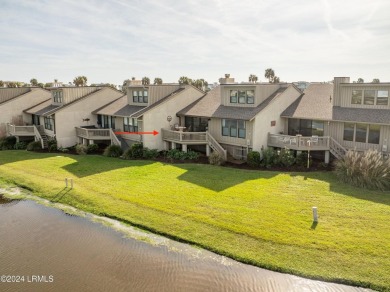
(300, 143)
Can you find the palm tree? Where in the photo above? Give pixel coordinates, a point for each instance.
(145, 81)
(375, 80)
(269, 74)
(185, 80)
(276, 79)
(34, 82)
(157, 80)
(80, 81)
(360, 80)
(253, 78)
(200, 84)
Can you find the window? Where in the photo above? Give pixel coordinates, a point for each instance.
(382, 97)
(130, 125)
(369, 97)
(49, 123)
(317, 128)
(106, 122)
(362, 133)
(357, 96)
(305, 127)
(196, 124)
(57, 96)
(233, 128)
(242, 96)
(140, 96)
(35, 120)
(349, 129)
(233, 96)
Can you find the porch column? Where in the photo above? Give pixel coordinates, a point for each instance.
(80, 140)
(166, 145)
(85, 141)
(173, 145)
(207, 150)
(91, 142)
(299, 152)
(327, 156)
(184, 147)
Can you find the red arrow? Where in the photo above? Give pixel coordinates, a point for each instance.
(154, 133)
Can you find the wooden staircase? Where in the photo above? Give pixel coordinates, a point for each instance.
(42, 136)
(216, 146)
(336, 148)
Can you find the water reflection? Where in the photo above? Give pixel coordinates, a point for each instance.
(82, 255)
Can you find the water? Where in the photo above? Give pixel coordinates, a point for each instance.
(71, 253)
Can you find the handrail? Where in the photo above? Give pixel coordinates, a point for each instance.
(299, 142)
(337, 149)
(114, 138)
(38, 135)
(215, 145)
(180, 136)
(91, 133)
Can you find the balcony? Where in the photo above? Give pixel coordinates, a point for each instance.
(93, 134)
(13, 130)
(300, 143)
(192, 138)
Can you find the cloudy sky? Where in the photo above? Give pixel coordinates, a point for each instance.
(109, 41)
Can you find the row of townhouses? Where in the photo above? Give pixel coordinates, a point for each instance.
(232, 119)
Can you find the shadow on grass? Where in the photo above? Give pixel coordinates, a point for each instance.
(220, 178)
(314, 225)
(57, 197)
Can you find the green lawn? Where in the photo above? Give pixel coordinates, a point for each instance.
(259, 217)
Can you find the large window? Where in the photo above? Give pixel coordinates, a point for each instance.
(130, 125)
(362, 133)
(305, 127)
(140, 96)
(35, 120)
(233, 128)
(196, 124)
(57, 96)
(370, 97)
(242, 96)
(49, 123)
(106, 122)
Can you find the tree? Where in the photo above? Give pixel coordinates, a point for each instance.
(200, 84)
(269, 74)
(185, 80)
(145, 81)
(253, 78)
(1, 83)
(48, 84)
(41, 85)
(80, 81)
(276, 79)
(375, 80)
(157, 81)
(126, 83)
(12, 85)
(360, 80)
(34, 82)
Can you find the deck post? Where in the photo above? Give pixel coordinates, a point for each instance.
(85, 141)
(91, 142)
(207, 150)
(184, 147)
(327, 156)
(173, 145)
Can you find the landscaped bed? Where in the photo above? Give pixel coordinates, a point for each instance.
(259, 217)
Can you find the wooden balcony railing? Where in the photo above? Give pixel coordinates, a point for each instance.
(20, 130)
(299, 142)
(184, 137)
(93, 134)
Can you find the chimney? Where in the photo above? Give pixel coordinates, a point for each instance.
(337, 89)
(226, 80)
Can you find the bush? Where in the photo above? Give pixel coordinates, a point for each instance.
(7, 143)
(301, 159)
(113, 151)
(137, 150)
(63, 150)
(52, 145)
(216, 158)
(92, 148)
(366, 170)
(286, 157)
(270, 158)
(34, 146)
(175, 154)
(254, 159)
(150, 153)
(81, 149)
(20, 145)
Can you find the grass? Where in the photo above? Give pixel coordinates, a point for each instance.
(259, 217)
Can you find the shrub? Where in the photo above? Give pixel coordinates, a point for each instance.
(20, 145)
(175, 154)
(216, 159)
(92, 148)
(52, 145)
(81, 149)
(113, 151)
(34, 146)
(150, 153)
(301, 159)
(270, 158)
(366, 170)
(137, 150)
(7, 143)
(63, 150)
(254, 158)
(286, 157)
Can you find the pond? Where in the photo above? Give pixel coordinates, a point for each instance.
(49, 250)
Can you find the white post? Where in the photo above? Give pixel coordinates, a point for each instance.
(184, 147)
(66, 182)
(71, 183)
(327, 156)
(207, 150)
(315, 214)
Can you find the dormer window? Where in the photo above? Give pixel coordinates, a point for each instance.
(370, 97)
(140, 96)
(242, 96)
(57, 96)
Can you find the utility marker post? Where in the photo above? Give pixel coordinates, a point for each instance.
(315, 214)
(66, 183)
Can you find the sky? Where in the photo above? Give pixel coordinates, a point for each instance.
(113, 40)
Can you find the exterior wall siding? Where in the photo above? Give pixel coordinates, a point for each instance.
(262, 122)
(155, 92)
(345, 91)
(262, 91)
(72, 93)
(72, 116)
(8, 93)
(156, 118)
(215, 129)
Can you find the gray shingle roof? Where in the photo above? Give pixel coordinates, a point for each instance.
(315, 103)
(42, 109)
(210, 106)
(364, 115)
